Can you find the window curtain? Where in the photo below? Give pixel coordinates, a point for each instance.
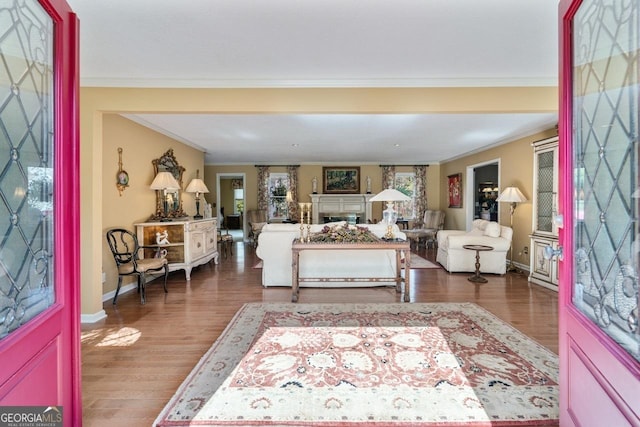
(263, 187)
(388, 177)
(420, 203)
(292, 205)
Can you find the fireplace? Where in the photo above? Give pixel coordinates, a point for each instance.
(351, 218)
(353, 208)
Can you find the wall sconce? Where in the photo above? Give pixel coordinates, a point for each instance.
(197, 186)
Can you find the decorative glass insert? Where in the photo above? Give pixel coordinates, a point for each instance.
(605, 117)
(546, 192)
(26, 163)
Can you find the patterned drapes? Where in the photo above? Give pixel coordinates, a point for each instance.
(292, 171)
(263, 187)
(420, 203)
(388, 176)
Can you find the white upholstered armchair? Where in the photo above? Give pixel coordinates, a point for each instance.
(454, 258)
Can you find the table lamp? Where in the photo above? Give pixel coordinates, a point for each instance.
(166, 182)
(197, 186)
(389, 215)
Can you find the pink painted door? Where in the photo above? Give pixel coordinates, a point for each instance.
(39, 221)
(599, 202)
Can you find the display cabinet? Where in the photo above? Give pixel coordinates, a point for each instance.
(185, 244)
(544, 271)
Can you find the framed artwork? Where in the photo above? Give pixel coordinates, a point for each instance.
(341, 180)
(455, 190)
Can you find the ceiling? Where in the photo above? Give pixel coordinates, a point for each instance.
(325, 43)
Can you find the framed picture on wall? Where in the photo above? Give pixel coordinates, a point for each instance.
(341, 180)
(455, 190)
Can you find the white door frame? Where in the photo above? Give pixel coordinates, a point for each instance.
(470, 187)
(244, 196)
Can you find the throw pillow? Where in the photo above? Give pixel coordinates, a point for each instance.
(492, 230)
(480, 224)
(475, 232)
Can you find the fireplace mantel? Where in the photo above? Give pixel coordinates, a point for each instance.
(341, 204)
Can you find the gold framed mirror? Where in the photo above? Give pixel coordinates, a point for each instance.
(173, 198)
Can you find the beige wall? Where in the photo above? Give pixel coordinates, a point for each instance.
(516, 169)
(305, 176)
(97, 103)
(140, 147)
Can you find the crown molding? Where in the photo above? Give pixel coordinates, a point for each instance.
(329, 83)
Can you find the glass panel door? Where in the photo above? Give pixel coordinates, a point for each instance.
(26, 163)
(605, 117)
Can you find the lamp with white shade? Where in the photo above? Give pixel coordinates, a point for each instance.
(165, 182)
(198, 187)
(389, 215)
(514, 196)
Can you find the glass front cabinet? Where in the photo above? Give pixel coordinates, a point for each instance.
(544, 271)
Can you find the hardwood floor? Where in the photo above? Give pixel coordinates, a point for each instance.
(133, 362)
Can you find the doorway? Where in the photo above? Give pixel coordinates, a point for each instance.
(486, 192)
(230, 202)
(482, 189)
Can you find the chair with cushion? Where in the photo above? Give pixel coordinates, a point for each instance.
(125, 249)
(426, 229)
(256, 219)
(225, 240)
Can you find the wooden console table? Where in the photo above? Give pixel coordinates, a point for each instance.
(401, 247)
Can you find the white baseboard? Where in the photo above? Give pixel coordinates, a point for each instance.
(92, 318)
(124, 289)
(522, 267)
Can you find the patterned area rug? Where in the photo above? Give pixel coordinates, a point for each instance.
(435, 364)
(418, 262)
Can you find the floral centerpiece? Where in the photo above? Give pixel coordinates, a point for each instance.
(344, 233)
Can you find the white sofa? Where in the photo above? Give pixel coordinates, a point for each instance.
(274, 249)
(453, 257)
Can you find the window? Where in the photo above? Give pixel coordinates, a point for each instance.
(405, 182)
(278, 187)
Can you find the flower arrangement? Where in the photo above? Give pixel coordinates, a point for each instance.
(344, 233)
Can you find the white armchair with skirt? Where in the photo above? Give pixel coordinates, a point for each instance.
(454, 258)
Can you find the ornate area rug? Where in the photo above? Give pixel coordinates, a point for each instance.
(418, 262)
(435, 364)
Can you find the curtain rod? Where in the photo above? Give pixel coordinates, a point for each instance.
(289, 166)
(403, 165)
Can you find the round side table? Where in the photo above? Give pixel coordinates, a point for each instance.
(477, 278)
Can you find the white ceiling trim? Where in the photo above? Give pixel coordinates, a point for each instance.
(510, 138)
(329, 83)
(142, 122)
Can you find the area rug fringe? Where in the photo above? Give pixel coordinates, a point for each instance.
(422, 364)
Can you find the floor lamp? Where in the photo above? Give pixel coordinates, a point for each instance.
(514, 196)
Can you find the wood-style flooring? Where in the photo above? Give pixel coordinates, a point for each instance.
(133, 361)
